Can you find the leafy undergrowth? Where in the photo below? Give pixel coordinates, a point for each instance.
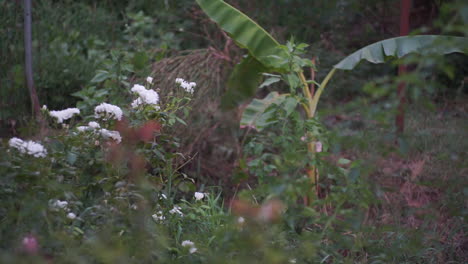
(419, 178)
(109, 187)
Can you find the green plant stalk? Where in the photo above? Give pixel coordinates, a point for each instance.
(322, 86)
(311, 171)
(310, 111)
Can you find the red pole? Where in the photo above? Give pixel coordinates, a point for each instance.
(404, 30)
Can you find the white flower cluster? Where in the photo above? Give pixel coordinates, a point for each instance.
(190, 245)
(91, 126)
(108, 111)
(149, 79)
(146, 96)
(56, 205)
(187, 86)
(115, 135)
(94, 126)
(28, 147)
(176, 210)
(158, 217)
(63, 115)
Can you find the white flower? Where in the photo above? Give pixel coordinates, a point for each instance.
(150, 97)
(187, 86)
(56, 205)
(149, 79)
(163, 196)
(106, 111)
(15, 142)
(44, 107)
(137, 102)
(115, 135)
(176, 210)
(71, 216)
(82, 128)
(94, 125)
(28, 147)
(61, 204)
(158, 217)
(63, 115)
(318, 146)
(199, 195)
(190, 245)
(241, 220)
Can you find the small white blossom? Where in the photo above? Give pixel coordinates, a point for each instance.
(56, 205)
(158, 217)
(106, 111)
(63, 115)
(94, 125)
(187, 86)
(199, 196)
(146, 96)
(176, 210)
(15, 142)
(190, 245)
(115, 135)
(137, 102)
(61, 204)
(82, 128)
(240, 220)
(71, 216)
(149, 79)
(163, 196)
(44, 107)
(28, 147)
(318, 146)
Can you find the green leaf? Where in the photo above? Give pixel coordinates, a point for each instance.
(401, 46)
(246, 32)
(270, 81)
(100, 76)
(257, 115)
(243, 82)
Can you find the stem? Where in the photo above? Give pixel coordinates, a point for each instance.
(305, 89)
(311, 170)
(320, 90)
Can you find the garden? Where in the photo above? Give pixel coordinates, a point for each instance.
(239, 131)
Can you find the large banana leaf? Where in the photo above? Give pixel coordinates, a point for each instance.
(246, 32)
(401, 46)
(243, 82)
(256, 115)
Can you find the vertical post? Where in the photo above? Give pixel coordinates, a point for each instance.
(405, 8)
(28, 59)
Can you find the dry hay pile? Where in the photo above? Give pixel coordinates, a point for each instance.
(209, 141)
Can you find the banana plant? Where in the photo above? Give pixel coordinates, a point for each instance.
(266, 55)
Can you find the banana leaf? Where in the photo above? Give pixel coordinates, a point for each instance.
(398, 47)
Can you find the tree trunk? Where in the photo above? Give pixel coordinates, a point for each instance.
(28, 59)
